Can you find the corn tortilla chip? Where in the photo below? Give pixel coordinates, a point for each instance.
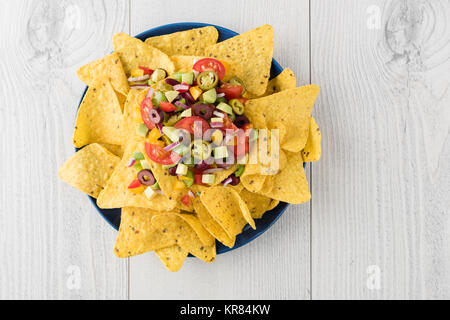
(227, 208)
(136, 234)
(184, 63)
(175, 227)
(132, 112)
(172, 257)
(189, 42)
(253, 52)
(134, 53)
(313, 148)
(166, 182)
(292, 108)
(115, 149)
(290, 185)
(273, 204)
(89, 169)
(205, 237)
(116, 193)
(100, 118)
(284, 81)
(211, 225)
(106, 69)
(257, 204)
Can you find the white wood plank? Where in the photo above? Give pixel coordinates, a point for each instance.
(381, 191)
(277, 265)
(48, 230)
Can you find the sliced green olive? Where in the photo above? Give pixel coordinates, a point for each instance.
(237, 106)
(239, 82)
(201, 150)
(172, 120)
(164, 87)
(208, 80)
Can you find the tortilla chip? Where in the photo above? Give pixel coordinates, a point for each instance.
(172, 257)
(211, 225)
(256, 174)
(223, 175)
(89, 169)
(184, 63)
(273, 204)
(136, 234)
(290, 185)
(189, 42)
(227, 208)
(313, 148)
(134, 53)
(116, 150)
(132, 112)
(106, 69)
(257, 204)
(253, 52)
(205, 237)
(292, 108)
(284, 81)
(176, 227)
(116, 193)
(100, 118)
(166, 181)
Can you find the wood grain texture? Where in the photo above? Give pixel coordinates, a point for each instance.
(381, 191)
(275, 266)
(49, 232)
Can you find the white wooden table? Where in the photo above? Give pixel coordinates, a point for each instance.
(378, 226)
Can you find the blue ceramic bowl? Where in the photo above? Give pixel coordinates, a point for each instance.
(113, 216)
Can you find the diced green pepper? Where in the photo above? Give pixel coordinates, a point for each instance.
(210, 96)
(171, 95)
(178, 76)
(142, 130)
(138, 155)
(156, 186)
(159, 96)
(225, 108)
(145, 165)
(190, 179)
(240, 171)
(188, 78)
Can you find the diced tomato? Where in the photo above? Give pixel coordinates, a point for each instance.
(136, 187)
(189, 124)
(147, 71)
(242, 146)
(167, 106)
(146, 106)
(135, 184)
(243, 100)
(209, 64)
(186, 200)
(228, 124)
(231, 91)
(198, 179)
(248, 129)
(159, 155)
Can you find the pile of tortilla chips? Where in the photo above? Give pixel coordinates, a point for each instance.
(105, 130)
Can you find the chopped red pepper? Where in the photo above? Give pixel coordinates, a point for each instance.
(186, 200)
(147, 71)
